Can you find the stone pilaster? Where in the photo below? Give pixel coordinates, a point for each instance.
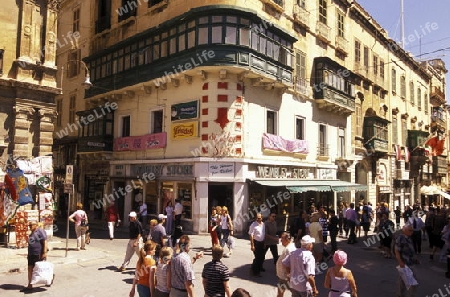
(51, 27)
(47, 117)
(22, 127)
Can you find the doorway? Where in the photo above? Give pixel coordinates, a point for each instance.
(220, 194)
(120, 202)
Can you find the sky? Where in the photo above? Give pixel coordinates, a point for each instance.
(434, 39)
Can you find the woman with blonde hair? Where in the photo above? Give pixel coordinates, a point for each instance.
(340, 280)
(80, 218)
(226, 225)
(144, 278)
(162, 276)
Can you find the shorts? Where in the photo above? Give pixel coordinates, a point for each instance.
(283, 284)
(32, 259)
(317, 248)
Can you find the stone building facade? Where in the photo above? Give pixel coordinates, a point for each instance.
(27, 78)
(256, 105)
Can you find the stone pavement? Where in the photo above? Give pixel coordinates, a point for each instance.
(375, 275)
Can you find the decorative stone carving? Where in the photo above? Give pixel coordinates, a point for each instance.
(53, 4)
(47, 115)
(23, 112)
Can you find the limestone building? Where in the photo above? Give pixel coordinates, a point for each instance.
(254, 105)
(27, 78)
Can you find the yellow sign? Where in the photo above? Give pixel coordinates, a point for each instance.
(184, 130)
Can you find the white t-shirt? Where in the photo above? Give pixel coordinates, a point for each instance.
(281, 269)
(258, 231)
(178, 208)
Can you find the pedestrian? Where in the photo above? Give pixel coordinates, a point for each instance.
(404, 253)
(162, 276)
(212, 227)
(386, 228)
(257, 235)
(340, 280)
(226, 225)
(144, 277)
(282, 274)
(37, 250)
(301, 266)
(216, 275)
(418, 225)
(159, 235)
(297, 228)
(365, 220)
(181, 270)
(239, 292)
(345, 223)
(271, 239)
(334, 229)
(80, 218)
(315, 230)
(169, 213)
(351, 216)
(340, 216)
(113, 218)
(143, 214)
(135, 241)
(398, 215)
(178, 210)
(438, 223)
(445, 236)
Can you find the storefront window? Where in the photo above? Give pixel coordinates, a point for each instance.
(151, 197)
(185, 196)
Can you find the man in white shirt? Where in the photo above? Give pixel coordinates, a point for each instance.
(257, 236)
(143, 214)
(301, 266)
(282, 273)
(178, 210)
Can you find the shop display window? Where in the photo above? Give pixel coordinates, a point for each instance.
(185, 196)
(151, 197)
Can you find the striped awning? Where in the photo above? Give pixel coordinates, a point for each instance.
(300, 186)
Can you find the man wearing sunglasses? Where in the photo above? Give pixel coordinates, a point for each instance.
(257, 236)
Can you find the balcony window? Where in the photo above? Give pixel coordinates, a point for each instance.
(125, 126)
(76, 20)
(271, 120)
(425, 103)
(341, 143)
(157, 121)
(382, 69)
(300, 128)
(73, 63)
(394, 80)
(127, 10)
(376, 133)
(103, 16)
(375, 65)
(323, 150)
(323, 11)
(340, 25)
(419, 98)
(411, 92)
(403, 87)
(357, 51)
(366, 58)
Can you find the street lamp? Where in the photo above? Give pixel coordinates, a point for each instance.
(87, 80)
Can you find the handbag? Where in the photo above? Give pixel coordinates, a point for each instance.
(407, 276)
(83, 222)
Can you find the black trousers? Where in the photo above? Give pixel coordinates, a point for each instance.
(416, 238)
(177, 220)
(333, 235)
(259, 254)
(274, 250)
(352, 236)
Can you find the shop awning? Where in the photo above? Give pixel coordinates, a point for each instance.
(300, 186)
(443, 194)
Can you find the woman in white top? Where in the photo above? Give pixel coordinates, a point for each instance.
(79, 217)
(169, 220)
(226, 225)
(162, 275)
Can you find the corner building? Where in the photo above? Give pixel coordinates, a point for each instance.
(254, 105)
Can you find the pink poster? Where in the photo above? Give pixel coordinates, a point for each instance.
(138, 143)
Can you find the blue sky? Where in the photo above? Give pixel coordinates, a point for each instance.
(417, 14)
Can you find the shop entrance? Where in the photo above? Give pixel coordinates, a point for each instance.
(220, 194)
(120, 202)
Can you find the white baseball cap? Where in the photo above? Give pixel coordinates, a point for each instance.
(307, 239)
(162, 216)
(132, 214)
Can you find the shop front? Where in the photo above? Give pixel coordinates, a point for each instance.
(286, 190)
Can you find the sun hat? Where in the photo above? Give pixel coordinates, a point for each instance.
(132, 214)
(307, 240)
(340, 258)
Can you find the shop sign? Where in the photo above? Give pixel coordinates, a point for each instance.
(184, 130)
(281, 172)
(142, 170)
(179, 170)
(184, 111)
(221, 169)
(381, 174)
(325, 174)
(119, 170)
(385, 189)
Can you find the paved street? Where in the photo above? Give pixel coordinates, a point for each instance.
(92, 273)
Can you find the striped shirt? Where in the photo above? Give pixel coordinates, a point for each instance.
(181, 271)
(161, 278)
(215, 273)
